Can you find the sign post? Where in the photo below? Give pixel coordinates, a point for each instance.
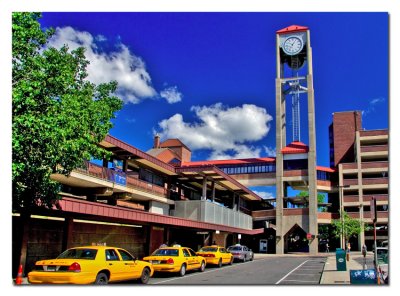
(374, 219)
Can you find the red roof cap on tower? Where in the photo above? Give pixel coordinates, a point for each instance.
(291, 29)
(295, 147)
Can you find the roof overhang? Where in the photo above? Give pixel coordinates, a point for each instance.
(130, 153)
(222, 180)
(101, 211)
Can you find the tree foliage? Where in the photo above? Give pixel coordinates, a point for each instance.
(58, 116)
(320, 198)
(351, 227)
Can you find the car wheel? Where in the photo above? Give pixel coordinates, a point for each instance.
(231, 262)
(182, 271)
(101, 279)
(202, 266)
(145, 277)
(252, 257)
(220, 262)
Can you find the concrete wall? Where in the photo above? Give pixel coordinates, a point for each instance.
(159, 208)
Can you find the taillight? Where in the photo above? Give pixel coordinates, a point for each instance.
(170, 261)
(75, 267)
(211, 255)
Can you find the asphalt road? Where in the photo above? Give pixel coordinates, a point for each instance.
(263, 271)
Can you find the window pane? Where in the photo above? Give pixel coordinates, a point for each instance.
(125, 255)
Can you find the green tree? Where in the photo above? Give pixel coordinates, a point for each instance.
(347, 226)
(58, 116)
(320, 198)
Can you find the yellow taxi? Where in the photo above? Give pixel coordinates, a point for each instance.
(91, 265)
(216, 255)
(176, 259)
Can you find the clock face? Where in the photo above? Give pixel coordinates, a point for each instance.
(292, 45)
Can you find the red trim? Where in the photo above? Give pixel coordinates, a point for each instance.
(292, 29)
(325, 169)
(73, 205)
(202, 168)
(295, 147)
(129, 148)
(229, 161)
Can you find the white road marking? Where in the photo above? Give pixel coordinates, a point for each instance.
(300, 281)
(290, 272)
(200, 273)
(313, 274)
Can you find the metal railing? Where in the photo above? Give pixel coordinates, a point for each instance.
(205, 211)
(106, 174)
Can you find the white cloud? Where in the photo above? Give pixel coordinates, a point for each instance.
(225, 131)
(134, 82)
(372, 104)
(239, 152)
(171, 94)
(270, 151)
(100, 38)
(264, 194)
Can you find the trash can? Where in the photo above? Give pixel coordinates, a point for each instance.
(340, 260)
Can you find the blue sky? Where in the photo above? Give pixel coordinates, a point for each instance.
(209, 78)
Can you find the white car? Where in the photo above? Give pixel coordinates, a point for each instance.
(241, 253)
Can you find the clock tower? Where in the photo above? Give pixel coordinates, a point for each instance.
(294, 80)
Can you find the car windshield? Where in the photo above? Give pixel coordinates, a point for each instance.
(166, 252)
(89, 254)
(235, 248)
(208, 249)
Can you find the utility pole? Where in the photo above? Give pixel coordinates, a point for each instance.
(374, 219)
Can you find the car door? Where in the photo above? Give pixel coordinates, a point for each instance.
(187, 259)
(114, 264)
(246, 253)
(224, 255)
(129, 268)
(194, 259)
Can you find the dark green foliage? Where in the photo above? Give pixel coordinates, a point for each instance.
(320, 199)
(349, 226)
(58, 117)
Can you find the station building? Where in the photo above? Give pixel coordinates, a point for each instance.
(138, 200)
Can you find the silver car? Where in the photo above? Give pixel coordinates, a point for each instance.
(241, 253)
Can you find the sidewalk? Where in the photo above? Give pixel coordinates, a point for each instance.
(330, 276)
